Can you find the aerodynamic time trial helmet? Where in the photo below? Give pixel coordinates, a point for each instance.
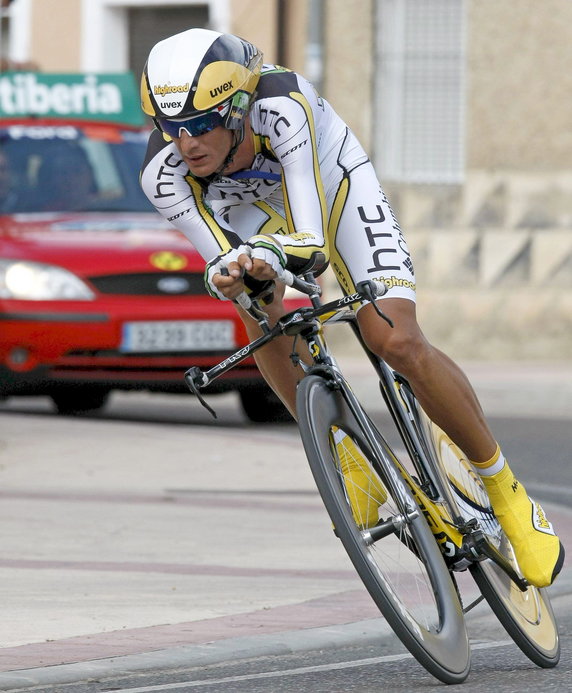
(198, 80)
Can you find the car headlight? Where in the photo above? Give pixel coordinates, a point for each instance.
(35, 281)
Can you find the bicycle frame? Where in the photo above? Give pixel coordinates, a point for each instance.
(461, 542)
(293, 323)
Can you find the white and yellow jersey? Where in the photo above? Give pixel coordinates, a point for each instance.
(307, 171)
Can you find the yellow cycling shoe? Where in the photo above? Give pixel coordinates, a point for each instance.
(365, 491)
(538, 550)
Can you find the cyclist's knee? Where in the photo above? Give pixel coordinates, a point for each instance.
(403, 350)
(403, 347)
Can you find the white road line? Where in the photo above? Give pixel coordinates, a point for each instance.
(293, 672)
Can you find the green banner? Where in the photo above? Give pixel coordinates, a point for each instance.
(108, 97)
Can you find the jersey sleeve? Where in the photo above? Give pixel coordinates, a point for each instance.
(179, 198)
(287, 125)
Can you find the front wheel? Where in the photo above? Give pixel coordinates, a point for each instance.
(403, 571)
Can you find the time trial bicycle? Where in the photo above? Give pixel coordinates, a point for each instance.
(409, 522)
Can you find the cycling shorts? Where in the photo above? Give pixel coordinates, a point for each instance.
(364, 237)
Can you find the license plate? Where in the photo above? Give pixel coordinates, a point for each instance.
(177, 335)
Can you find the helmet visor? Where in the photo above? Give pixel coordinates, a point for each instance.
(195, 126)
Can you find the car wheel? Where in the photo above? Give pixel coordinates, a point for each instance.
(261, 405)
(78, 400)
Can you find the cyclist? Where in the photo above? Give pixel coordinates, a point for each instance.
(260, 173)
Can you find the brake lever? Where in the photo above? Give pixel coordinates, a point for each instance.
(252, 307)
(370, 291)
(191, 375)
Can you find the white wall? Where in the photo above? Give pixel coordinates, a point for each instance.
(105, 32)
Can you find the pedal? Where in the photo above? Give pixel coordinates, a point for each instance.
(480, 549)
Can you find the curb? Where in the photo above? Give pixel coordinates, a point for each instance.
(367, 632)
(370, 632)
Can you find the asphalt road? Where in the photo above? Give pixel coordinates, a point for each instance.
(91, 508)
(496, 665)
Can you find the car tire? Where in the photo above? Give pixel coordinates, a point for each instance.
(79, 400)
(262, 405)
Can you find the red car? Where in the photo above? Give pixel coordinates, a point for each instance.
(97, 293)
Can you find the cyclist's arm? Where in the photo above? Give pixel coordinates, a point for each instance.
(290, 134)
(179, 198)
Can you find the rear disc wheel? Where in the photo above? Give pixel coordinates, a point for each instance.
(526, 616)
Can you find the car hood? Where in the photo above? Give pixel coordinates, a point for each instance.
(98, 243)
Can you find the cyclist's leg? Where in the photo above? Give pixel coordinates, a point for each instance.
(273, 360)
(274, 363)
(439, 384)
(368, 244)
(364, 491)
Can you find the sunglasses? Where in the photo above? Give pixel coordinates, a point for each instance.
(195, 126)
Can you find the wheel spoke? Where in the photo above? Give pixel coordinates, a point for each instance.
(384, 533)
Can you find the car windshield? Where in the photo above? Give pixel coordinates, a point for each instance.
(45, 168)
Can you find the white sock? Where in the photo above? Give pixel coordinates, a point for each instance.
(492, 466)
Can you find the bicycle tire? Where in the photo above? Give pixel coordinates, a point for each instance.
(404, 572)
(526, 616)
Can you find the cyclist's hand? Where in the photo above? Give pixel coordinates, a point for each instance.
(262, 257)
(268, 258)
(229, 285)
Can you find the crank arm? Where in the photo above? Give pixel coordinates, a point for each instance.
(478, 546)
